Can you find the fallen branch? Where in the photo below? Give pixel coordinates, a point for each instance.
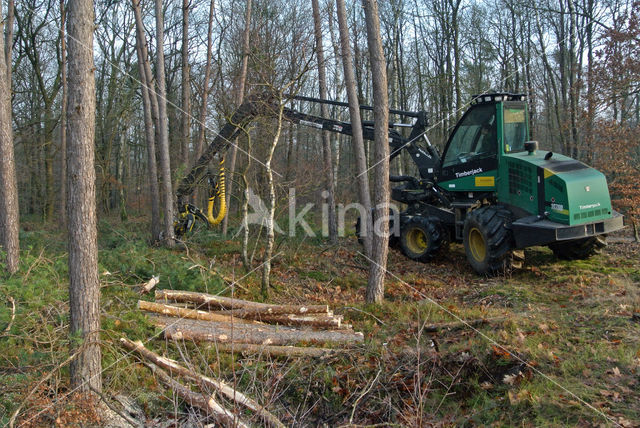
(150, 285)
(208, 404)
(230, 303)
(204, 381)
(196, 330)
(278, 351)
(188, 313)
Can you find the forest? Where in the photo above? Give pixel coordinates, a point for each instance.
(184, 187)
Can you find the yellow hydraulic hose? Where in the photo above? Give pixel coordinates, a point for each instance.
(220, 193)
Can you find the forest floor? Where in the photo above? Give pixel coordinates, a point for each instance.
(560, 345)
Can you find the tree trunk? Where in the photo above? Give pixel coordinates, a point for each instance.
(9, 219)
(246, 260)
(8, 39)
(163, 130)
(380, 243)
(366, 226)
(149, 122)
(205, 85)
(271, 207)
(326, 139)
(242, 80)
(84, 286)
(186, 88)
(62, 199)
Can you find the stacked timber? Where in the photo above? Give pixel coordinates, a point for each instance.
(246, 326)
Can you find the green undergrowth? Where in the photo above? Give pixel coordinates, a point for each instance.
(559, 345)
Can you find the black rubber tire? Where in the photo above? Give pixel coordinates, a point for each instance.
(421, 238)
(488, 241)
(579, 249)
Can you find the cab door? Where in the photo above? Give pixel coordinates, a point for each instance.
(470, 159)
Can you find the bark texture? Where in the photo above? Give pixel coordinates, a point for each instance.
(231, 303)
(84, 286)
(9, 220)
(163, 131)
(326, 139)
(380, 243)
(63, 118)
(209, 331)
(149, 123)
(366, 225)
(242, 82)
(186, 86)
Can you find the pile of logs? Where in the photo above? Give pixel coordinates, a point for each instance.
(242, 325)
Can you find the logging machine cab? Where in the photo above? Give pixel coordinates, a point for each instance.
(494, 126)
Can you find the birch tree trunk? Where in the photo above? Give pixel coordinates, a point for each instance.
(380, 242)
(9, 219)
(356, 123)
(84, 286)
(150, 133)
(326, 140)
(239, 97)
(268, 252)
(163, 130)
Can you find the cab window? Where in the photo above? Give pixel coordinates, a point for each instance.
(515, 129)
(474, 138)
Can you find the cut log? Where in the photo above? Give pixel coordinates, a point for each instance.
(205, 382)
(196, 330)
(310, 320)
(230, 303)
(189, 313)
(150, 285)
(278, 351)
(195, 399)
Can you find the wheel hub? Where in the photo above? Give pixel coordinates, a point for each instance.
(477, 245)
(417, 241)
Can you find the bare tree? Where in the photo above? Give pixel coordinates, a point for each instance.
(63, 113)
(205, 84)
(380, 242)
(84, 286)
(242, 81)
(9, 220)
(186, 86)
(163, 130)
(8, 41)
(149, 123)
(326, 139)
(356, 125)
